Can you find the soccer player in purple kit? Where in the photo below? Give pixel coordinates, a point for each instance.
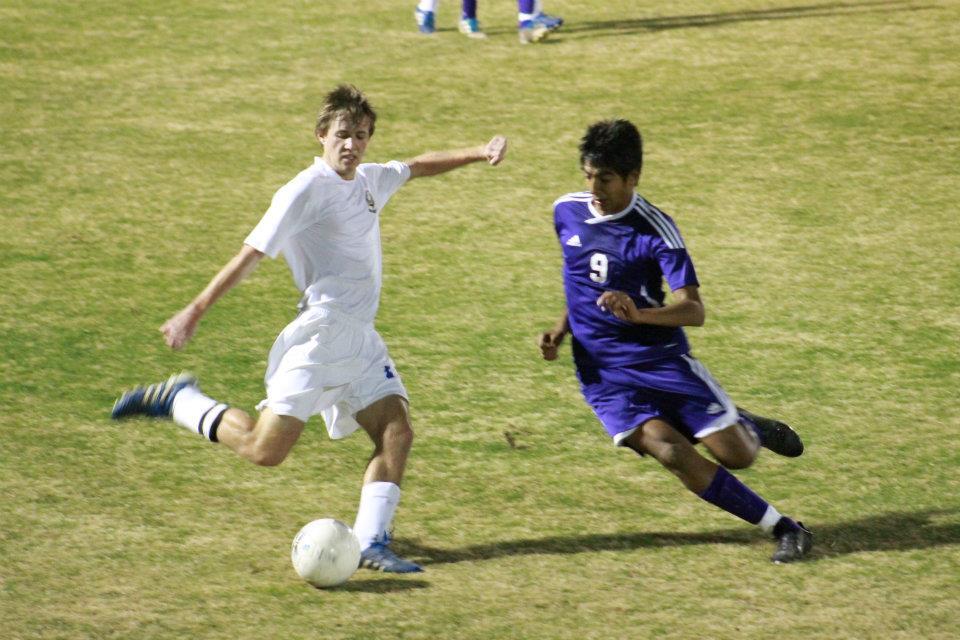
(632, 357)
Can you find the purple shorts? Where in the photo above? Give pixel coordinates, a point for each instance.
(678, 390)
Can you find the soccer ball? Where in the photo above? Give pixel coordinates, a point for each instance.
(325, 553)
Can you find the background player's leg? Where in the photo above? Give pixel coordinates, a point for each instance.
(469, 25)
(425, 15)
(526, 10)
(529, 31)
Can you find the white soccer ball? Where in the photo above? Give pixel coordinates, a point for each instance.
(325, 553)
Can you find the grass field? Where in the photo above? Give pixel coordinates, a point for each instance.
(809, 151)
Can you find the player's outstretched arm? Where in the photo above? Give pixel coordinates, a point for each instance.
(436, 162)
(550, 340)
(178, 330)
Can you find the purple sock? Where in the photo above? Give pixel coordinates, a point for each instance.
(731, 495)
(525, 6)
(468, 9)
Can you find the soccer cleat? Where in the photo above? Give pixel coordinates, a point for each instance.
(793, 543)
(154, 400)
(550, 23)
(379, 557)
(426, 21)
(775, 435)
(470, 27)
(531, 32)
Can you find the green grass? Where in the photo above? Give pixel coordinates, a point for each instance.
(809, 152)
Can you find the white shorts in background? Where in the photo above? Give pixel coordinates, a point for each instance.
(329, 363)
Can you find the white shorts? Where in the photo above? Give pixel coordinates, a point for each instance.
(329, 363)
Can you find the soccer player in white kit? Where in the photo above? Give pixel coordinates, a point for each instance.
(330, 360)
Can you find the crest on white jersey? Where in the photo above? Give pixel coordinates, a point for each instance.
(371, 205)
(574, 241)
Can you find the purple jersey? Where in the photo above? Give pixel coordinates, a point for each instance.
(632, 251)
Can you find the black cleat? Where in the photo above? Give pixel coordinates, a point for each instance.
(775, 435)
(793, 543)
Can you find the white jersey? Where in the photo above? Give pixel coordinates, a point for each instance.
(328, 230)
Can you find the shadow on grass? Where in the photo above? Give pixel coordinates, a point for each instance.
(357, 584)
(899, 531)
(663, 23)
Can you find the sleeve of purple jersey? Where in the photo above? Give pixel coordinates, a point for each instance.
(676, 265)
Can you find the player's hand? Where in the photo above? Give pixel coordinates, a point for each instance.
(550, 343)
(620, 305)
(178, 330)
(495, 150)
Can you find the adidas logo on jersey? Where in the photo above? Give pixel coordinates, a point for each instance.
(574, 241)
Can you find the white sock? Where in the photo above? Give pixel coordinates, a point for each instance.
(769, 520)
(378, 503)
(198, 413)
(428, 5)
(523, 17)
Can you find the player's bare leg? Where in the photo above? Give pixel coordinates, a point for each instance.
(266, 441)
(735, 447)
(670, 448)
(387, 422)
(717, 486)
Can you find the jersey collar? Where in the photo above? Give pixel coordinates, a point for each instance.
(328, 170)
(599, 216)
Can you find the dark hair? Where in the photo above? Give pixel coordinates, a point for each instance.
(613, 144)
(348, 101)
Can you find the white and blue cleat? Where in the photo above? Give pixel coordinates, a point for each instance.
(155, 400)
(538, 28)
(426, 21)
(379, 557)
(531, 32)
(550, 23)
(470, 27)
